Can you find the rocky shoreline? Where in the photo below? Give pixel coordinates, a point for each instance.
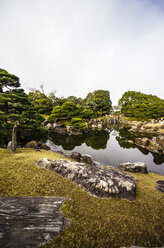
(154, 145)
(92, 125)
(155, 129)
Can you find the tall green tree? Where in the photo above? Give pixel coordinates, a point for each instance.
(40, 101)
(99, 101)
(8, 81)
(141, 106)
(16, 108)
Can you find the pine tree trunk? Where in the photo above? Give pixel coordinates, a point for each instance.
(14, 138)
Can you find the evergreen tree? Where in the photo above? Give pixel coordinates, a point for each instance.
(15, 107)
(99, 102)
(141, 106)
(40, 101)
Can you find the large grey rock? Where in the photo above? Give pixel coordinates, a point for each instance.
(29, 222)
(99, 181)
(133, 167)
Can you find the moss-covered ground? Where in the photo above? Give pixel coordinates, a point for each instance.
(98, 223)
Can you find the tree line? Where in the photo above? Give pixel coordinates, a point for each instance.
(30, 110)
(141, 106)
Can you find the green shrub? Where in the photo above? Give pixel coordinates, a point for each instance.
(65, 124)
(68, 109)
(82, 125)
(79, 123)
(76, 120)
(102, 119)
(87, 114)
(73, 113)
(52, 118)
(56, 109)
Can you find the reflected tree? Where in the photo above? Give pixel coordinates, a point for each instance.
(98, 140)
(158, 159)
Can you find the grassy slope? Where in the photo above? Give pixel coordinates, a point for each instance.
(95, 222)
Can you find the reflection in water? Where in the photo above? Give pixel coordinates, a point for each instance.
(67, 142)
(96, 140)
(125, 135)
(158, 159)
(110, 147)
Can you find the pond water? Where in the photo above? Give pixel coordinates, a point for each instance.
(109, 147)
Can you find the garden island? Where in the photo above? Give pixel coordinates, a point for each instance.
(79, 172)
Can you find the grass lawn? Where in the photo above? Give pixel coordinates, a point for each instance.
(98, 223)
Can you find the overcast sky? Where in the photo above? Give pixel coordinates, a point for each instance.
(78, 46)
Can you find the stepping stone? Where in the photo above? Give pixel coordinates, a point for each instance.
(29, 222)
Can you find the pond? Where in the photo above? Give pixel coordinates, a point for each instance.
(109, 147)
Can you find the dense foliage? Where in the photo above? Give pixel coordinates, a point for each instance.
(99, 102)
(95, 104)
(70, 113)
(40, 101)
(8, 80)
(141, 106)
(15, 107)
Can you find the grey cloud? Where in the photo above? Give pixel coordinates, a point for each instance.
(79, 46)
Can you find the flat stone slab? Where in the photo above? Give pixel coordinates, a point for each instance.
(29, 222)
(99, 181)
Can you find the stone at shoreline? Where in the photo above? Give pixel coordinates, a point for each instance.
(48, 126)
(44, 146)
(133, 167)
(9, 145)
(130, 141)
(30, 221)
(160, 185)
(155, 145)
(31, 144)
(85, 158)
(142, 141)
(96, 163)
(76, 156)
(99, 181)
